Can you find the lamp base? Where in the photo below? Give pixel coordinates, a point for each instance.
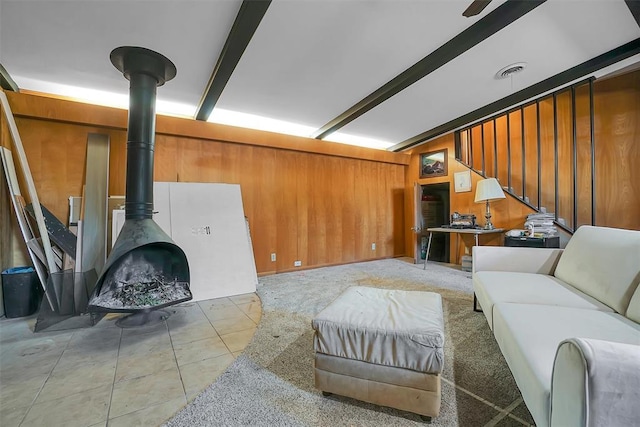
(487, 216)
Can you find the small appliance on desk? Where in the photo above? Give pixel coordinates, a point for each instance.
(462, 220)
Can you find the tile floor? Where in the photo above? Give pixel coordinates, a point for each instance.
(107, 375)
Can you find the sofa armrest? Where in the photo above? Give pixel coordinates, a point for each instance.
(524, 260)
(595, 383)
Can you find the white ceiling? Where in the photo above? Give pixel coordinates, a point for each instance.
(309, 60)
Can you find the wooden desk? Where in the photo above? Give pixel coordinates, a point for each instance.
(458, 231)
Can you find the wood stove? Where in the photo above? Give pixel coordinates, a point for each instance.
(146, 270)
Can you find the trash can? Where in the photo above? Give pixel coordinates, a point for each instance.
(21, 292)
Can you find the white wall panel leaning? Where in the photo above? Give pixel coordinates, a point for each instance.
(207, 221)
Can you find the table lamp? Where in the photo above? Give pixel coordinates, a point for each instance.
(488, 190)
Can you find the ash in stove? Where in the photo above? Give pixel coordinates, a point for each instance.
(150, 293)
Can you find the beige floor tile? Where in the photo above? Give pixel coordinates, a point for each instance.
(193, 332)
(20, 394)
(139, 393)
(218, 302)
(72, 380)
(236, 324)
(145, 344)
(158, 328)
(15, 372)
(237, 341)
(253, 310)
(186, 316)
(139, 366)
(92, 337)
(245, 298)
(81, 409)
(224, 312)
(199, 350)
(12, 417)
(149, 417)
(73, 357)
(199, 375)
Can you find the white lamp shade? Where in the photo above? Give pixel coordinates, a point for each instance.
(488, 189)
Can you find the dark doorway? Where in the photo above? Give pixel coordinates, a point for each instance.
(435, 213)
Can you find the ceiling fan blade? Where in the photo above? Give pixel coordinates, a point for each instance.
(475, 8)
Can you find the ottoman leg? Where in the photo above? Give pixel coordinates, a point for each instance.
(326, 393)
(426, 419)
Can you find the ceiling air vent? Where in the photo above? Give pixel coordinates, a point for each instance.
(509, 70)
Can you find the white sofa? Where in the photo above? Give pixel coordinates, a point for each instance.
(568, 324)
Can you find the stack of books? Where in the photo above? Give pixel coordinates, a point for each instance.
(542, 224)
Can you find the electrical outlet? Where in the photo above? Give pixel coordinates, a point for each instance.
(297, 263)
(373, 246)
(273, 257)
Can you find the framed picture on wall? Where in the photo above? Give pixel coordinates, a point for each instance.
(433, 164)
(462, 181)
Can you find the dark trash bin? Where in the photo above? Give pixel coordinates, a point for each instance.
(20, 291)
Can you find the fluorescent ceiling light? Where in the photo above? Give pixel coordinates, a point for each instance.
(360, 141)
(251, 121)
(101, 97)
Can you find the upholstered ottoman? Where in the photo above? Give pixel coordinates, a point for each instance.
(383, 347)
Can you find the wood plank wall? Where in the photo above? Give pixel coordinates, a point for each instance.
(317, 202)
(617, 154)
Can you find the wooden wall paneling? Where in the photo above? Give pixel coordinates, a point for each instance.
(366, 213)
(583, 146)
(384, 211)
(260, 201)
(302, 189)
(489, 149)
(335, 228)
(547, 155)
(502, 150)
(531, 154)
(617, 129)
(233, 163)
(565, 158)
(399, 225)
(118, 162)
(343, 184)
(169, 159)
(515, 151)
(319, 175)
(476, 149)
(287, 210)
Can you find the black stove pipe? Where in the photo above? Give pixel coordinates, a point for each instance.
(145, 70)
(145, 270)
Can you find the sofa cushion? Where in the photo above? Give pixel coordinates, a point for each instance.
(493, 287)
(604, 263)
(529, 335)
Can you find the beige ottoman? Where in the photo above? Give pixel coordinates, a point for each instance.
(383, 347)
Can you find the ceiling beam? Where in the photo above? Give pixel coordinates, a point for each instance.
(579, 71)
(249, 16)
(6, 82)
(493, 22)
(634, 8)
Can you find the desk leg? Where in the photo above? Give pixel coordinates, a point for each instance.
(476, 236)
(426, 257)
